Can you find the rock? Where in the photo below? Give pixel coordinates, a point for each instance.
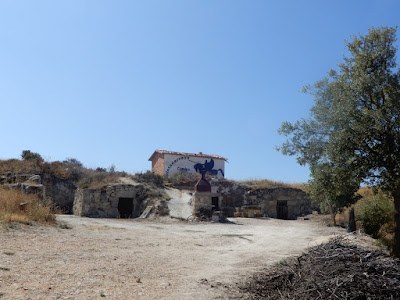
(35, 179)
(165, 284)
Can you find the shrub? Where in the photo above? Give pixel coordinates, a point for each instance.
(151, 178)
(73, 162)
(375, 211)
(28, 155)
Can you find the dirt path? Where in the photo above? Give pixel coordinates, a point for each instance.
(141, 259)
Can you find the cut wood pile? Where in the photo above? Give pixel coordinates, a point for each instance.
(336, 270)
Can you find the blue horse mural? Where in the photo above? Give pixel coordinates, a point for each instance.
(208, 168)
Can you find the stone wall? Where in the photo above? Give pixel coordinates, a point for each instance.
(232, 194)
(297, 201)
(60, 190)
(103, 203)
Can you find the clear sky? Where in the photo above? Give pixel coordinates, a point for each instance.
(108, 82)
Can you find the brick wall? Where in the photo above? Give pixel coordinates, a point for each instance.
(157, 164)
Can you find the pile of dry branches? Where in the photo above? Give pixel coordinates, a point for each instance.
(336, 270)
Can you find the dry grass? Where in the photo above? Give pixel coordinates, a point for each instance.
(97, 180)
(16, 206)
(18, 166)
(269, 184)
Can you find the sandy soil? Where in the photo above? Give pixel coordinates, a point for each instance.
(142, 259)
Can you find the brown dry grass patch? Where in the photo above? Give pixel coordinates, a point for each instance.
(16, 206)
(269, 184)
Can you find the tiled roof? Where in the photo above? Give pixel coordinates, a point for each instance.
(200, 154)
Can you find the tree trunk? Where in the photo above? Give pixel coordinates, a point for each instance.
(333, 216)
(352, 221)
(396, 248)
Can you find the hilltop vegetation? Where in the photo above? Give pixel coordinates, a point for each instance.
(71, 169)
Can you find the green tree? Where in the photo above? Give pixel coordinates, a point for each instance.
(332, 189)
(355, 120)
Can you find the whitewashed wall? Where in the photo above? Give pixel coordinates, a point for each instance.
(185, 164)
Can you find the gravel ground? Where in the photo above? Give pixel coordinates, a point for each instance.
(144, 259)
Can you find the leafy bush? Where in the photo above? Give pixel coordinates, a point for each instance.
(375, 211)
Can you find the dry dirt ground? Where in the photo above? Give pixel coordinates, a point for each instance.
(143, 259)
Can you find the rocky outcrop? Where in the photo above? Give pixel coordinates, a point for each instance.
(37, 189)
(60, 191)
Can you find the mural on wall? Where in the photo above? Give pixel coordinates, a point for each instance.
(198, 167)
(207, 167)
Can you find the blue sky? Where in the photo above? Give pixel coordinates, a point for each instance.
(108, 82)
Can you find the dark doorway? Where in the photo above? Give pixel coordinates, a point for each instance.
(125, 207)
(282, 210)
(214, 203)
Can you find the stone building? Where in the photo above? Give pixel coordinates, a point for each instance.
(169, 163)
(118, 200)
(281, 203)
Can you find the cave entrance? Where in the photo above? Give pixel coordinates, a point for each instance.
(282, 210)
(125, 207)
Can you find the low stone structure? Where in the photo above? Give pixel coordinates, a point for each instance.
(118, 200)
(282, 203)
(232, 199)
(205, 203)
